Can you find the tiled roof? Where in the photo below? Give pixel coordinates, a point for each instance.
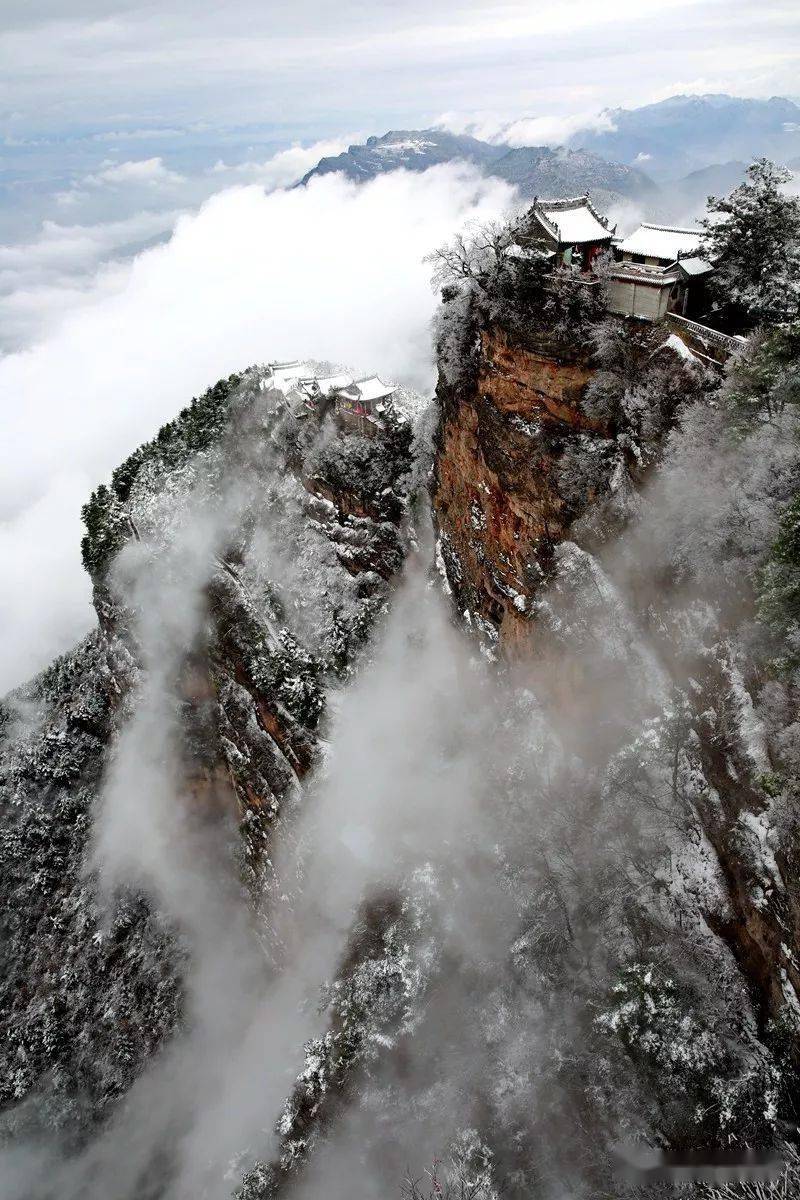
(694, 266)
(373, 388)
(573, 221)
(662, 241)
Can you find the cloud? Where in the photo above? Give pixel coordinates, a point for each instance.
(12, 142)
(129, 135)
(42, 278)
(241, 61)
(71, 198)
(285, 167)
(150, 172)
(44, 600)
(330, 271)
(77, 246)
(550, 130)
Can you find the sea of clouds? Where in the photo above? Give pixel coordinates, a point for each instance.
(115, 344)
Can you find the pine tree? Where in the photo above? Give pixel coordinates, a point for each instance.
(764, 379)
(107, 528)
(753, 239)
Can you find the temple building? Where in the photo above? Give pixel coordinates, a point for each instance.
(571, 230)
(317, 388)
(284, 376)
(361, 404)
(659, 270)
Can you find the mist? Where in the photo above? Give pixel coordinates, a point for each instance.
(382, 815)
(329, 271)
(422, 964)
(486, 807)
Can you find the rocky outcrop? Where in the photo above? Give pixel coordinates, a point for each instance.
(534, 471)
(498, 501)
(540, 443)
(296, 574)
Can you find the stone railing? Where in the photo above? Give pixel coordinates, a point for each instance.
(721, 342)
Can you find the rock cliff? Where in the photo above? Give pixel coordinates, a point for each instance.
(526, 457)
(595, 565)
(498, 506)
(301, 530)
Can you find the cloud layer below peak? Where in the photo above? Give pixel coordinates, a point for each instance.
(330, 271)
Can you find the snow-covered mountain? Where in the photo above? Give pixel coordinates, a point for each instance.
(692, 146)
(409, 149)
(535, 170)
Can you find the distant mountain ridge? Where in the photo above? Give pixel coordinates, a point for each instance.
(534, 170)
(663, 159)
(691, 193)
(688, 133)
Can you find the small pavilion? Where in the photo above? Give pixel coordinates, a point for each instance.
(362, 402)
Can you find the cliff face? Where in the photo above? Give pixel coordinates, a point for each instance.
(543, 442)
(239, 562)
(625, 586)
(499, 508)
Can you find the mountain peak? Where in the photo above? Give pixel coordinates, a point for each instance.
(554, 170)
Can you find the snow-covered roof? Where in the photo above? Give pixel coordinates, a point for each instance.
(372, 388)
(328, 383)
(299, 377)
(662, 241)
(286, 375)
(694, 266)
(574, 221)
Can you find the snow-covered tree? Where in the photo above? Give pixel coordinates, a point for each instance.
(765, 378)
(753, 239)
(487, 280)
(780, 595)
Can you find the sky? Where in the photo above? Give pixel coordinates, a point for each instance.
(85, 84)
(148, 244)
